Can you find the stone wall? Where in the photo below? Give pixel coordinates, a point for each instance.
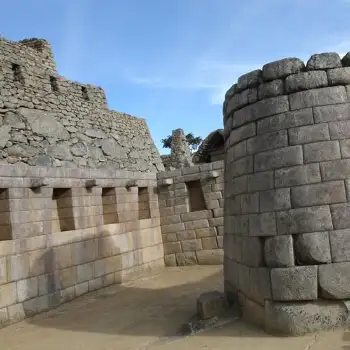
(47, 120)
(65, 232)
(191, 214)
(287, 209)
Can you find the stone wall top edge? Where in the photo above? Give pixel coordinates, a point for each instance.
(282, 68)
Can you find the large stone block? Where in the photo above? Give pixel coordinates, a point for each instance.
(339, 76)
(318, 97)
(242, 133)
(259, 284)
(304, 220)
(242, 166)
(269, 141)
(318, 194)
(341, 215)
(321, 151)
(332, 113)
(27, 289)
(292, 319)
(325, 60)
(210, 257)
(241, 99)
(285, 121)
(262, 224)
(339, 129)
(186, 259)
(334, 281)
(306, 81)
(249, 80)
(251, 251)
(282, 157)
(279, 251)
(260, 181)
(211, 304)
(297, 175)
(273, 200)
(249, 203)
(271, 89)
(340, 245)
(335, 170)
(294, 283)
(309, 133)
(282, 68)
(312, 248)
(8, 294)
(252, 312)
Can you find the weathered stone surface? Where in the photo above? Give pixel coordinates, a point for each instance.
(341, 215)
(241, 99)
(340, 245)
(14, 120)
(262, 224)
(291, 319)
(309, 133)
(279, 251)
(4, 135)
(44, 123)
(306, 81)
(249, 80)
(332, 113)
(79, 149)
(211, 304)
(294, 283)
(242, 133)
(339, 76)
(22, 150)
(273, 200)
(282, 68)
(277, 139)
(60, 151)
(251, 251)
(321, 151)
(260, 181)
(334, 281)
(271, 89)
(312, 248)
(324, 61)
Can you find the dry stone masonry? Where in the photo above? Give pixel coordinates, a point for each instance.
(47, 120)
(287, 209)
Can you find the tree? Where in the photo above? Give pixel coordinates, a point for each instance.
(193, 141)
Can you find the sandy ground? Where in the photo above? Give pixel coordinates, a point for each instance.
(146, 314)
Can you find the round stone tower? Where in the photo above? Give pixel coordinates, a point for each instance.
(287, 194)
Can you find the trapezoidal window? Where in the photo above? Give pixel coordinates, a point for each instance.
(196, 197)
(62, 210)
(54, 84)
(5, 222)
(84, 93)
(144, 208)
(109, 206)
(17, 73)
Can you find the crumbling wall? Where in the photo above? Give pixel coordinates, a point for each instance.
(191, 214)
(47, 120)
(287, 210)
(65, 232)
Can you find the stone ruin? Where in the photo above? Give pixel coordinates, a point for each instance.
(287, 210)
(85, 201)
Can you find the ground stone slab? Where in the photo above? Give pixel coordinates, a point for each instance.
(211, 304)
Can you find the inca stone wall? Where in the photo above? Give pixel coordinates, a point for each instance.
(65, 232)
(191, 214)
(47, 120)
(287, 209)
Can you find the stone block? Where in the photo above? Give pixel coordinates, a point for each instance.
(269, 141)
(243, 132)
(318, 97)
(334, 280)
(181, 236)
(345, 148)
(16, 312)
(249, 80)
(309, 133)
(321, 151)
(241, 166)
(191, 245)
(196, 215)
(211, 304)
(282, 157)
(209, 243)
(206, 232)
(8, 294)
(285, 121)
(318, 194)
(306, 81)
(339, 129)
(249, 203)
(233, 247)
(260, 109)
(304, 220)
(253, 312)
(325, 60)
(173, 228)
(197, 224)
(282, 68)
(335, 170)
(339, 76)
(262, 224)
(271, 89)
(294, 319)
(239, 150)
(260, 181)
(312, 248)
(332, 113)
(294, 283)
(210, 257)
(172, 247)
(170, 260)
(239, 185)
(3, 270)
(340, 245)
(251, 251)
(279, 251)
(341, 215)
(273, 200)
(27, 289)
(241, 99)
(4, 317)
(259, 284)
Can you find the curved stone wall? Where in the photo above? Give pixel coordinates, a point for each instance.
(287, 194)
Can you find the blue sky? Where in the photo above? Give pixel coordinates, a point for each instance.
(171, 61)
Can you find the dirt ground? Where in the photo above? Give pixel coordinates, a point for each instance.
(146, 314)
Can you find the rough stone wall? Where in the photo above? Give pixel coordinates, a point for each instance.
(61, 238)
(47, 120)
(192, 237)
(287, 209)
